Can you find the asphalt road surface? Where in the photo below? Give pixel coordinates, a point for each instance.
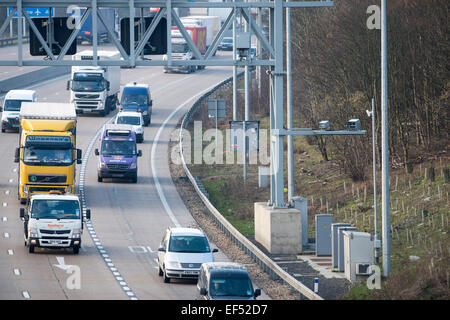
(119, 247)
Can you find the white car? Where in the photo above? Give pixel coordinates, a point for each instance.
(11, 107)
(182, 252)
(135, 120)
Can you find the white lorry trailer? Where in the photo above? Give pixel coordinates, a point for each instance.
(212, 24)
(53, 221)
(95, 89)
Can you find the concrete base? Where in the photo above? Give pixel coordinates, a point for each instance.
(278, 230)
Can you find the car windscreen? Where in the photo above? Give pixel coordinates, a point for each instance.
(44, 155)
(55, 209)
(191, 244)
(180, 48)
(118, 148)
(132, 120)
(14, 105)
(87, 82)
(229, 284)
(140, 99)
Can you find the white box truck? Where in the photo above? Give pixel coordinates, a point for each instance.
(95, 89)
(53, 221)
(212, 24)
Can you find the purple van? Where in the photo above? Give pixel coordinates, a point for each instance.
(118, 153)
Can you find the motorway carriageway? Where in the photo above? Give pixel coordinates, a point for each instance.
(119, 248)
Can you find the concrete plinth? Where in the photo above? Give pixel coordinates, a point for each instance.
(278, 230)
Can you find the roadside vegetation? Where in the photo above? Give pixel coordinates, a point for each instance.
(335, 174)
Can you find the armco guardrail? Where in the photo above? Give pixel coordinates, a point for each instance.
(10, 41)
(254, 252)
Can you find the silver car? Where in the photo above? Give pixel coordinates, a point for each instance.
(182, 252)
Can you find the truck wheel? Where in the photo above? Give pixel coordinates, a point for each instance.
(23, 200)
(134, 179)
(76, 249)
(103, 113)
(3, 129)
(31, 249)
(99, 179)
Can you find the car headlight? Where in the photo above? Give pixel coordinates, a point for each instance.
(77, 233)
(173, 265)
(32, 233)
(103, 165)
(100, 104)
(145, 112)
(133, 165)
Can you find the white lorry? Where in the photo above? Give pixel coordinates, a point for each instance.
(212, 24)
(95, 89)
(11, 107)
(53, 221)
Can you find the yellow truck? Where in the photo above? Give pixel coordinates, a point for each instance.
(47, 153)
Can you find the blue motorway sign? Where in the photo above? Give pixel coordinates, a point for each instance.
(34, 12)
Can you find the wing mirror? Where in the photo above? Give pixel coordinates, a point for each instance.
(203, 291)
(139, 153)
(88, 214)
(96, 152)
(17, 155)
(79, 156)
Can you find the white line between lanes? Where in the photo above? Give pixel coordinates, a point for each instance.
(153, 154)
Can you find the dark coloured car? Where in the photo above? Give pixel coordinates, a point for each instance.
(226, 44)
(225, 281)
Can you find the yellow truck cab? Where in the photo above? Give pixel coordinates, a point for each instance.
(47, 153)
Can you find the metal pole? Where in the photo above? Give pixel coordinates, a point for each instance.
(247, 102)
(94, 31)
(375, 200)
(271, 104)
(290, 142)
(235, 114)
(244, 150)
(258, 54)
(132, 44)
(19, 32)
(169, 32)
(385, 147)
(278, 154)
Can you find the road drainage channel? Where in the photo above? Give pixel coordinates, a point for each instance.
(103, 253)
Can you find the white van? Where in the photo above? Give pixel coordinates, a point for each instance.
(134, 119)
(11, 107)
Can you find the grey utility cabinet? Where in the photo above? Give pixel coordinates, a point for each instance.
(334, 241)
(341, 264)
(323, 234)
